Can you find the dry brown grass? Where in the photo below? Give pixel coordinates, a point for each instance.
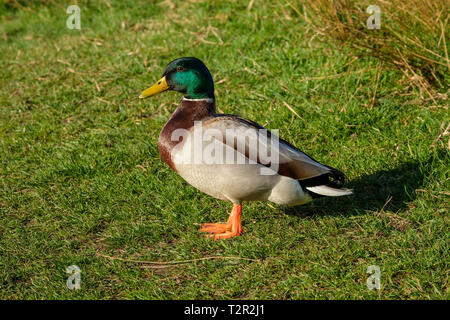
(412, 36)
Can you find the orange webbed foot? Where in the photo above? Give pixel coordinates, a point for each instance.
(215, 227)
(224, 235)
(227, 230)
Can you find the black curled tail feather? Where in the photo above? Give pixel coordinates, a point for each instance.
(334, 179)
(337, 178)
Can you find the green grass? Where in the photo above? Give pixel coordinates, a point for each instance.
(80, 173)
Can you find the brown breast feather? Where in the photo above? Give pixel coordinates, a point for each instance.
(183, 117)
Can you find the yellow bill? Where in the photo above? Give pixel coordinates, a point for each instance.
(158, 87)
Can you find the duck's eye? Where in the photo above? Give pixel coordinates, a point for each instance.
(180, 68)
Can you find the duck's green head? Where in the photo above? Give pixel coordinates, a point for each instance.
(187, 75)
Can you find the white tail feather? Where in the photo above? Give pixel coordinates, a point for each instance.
(331, 192)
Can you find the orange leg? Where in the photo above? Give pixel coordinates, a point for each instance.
(226, 230)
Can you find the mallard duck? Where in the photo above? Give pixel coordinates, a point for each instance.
(196, 142)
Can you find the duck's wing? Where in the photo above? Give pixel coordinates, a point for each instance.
(260, 145)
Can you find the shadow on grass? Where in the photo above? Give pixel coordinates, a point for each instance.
(388, 189)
